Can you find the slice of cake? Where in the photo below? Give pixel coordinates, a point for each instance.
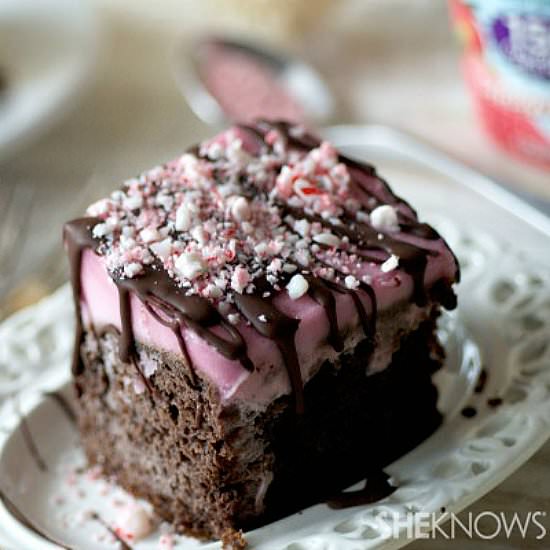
(255, 328)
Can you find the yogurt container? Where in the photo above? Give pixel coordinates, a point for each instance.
(506, 65)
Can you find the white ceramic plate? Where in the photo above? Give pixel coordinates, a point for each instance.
(504, 305)
(47, 49)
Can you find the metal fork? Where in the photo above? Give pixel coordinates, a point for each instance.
(52, 270)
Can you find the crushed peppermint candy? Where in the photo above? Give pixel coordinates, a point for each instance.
(384, 218)
(228, 219)
(184, 217)
(240, 209)
(133, 202)
(390, 264)
(149, 235)
(351, 282)
(189, 265)
(297, 287)
(132, 269)
(103, 229)
(240, 279)
(234, 318)
(327, 238)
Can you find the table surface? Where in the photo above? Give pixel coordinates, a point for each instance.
(132, 117)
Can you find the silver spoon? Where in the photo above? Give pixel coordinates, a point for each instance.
(297, 78)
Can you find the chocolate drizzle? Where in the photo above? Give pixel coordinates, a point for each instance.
(126, 345)
(368, 322)
(77, 236)
(280, 328)
(412, 258)
(319, 291)
(170, 305)
(126, 340)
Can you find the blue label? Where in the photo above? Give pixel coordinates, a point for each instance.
(525, 41)
(516, 41)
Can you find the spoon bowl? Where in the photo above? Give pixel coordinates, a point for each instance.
(225, 79)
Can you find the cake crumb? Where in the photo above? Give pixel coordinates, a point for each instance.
(133, 522)
(233, 540)
(166, 542)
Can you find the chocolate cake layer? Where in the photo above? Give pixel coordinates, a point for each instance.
(210, 468)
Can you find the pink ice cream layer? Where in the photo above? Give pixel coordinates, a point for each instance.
(269, 380)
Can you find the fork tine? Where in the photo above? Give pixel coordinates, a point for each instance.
(55, 267)
(51, 268)
(6, 192)
(20, 203)
(13, 232)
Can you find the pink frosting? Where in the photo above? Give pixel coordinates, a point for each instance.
(214, 238)
(100, 307)
(245, 88)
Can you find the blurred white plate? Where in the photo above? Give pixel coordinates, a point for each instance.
(47, 49)
(504, 304)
